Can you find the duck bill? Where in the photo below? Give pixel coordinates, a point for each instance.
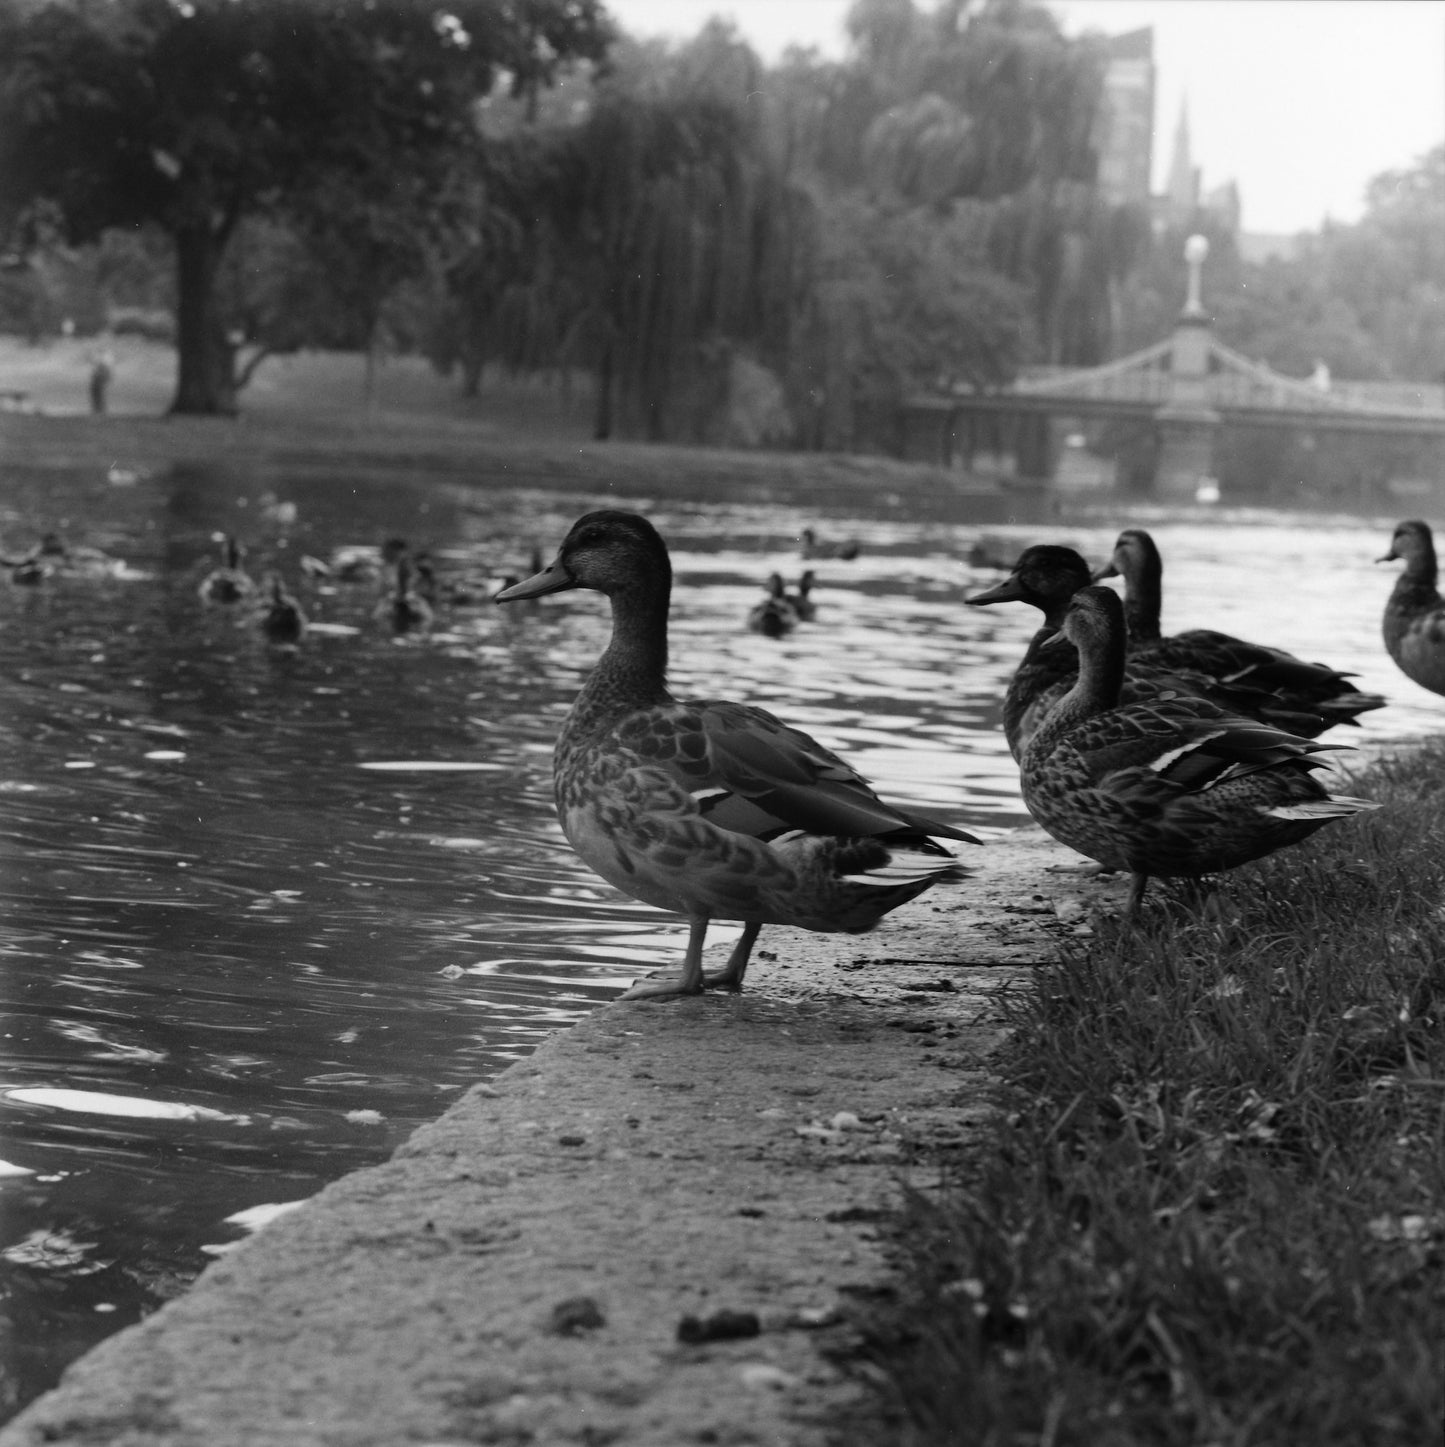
(1006, 592)
(554, 578)
(1107, 571)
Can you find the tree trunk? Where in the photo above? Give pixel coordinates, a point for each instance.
(205, 381)
(368, 373)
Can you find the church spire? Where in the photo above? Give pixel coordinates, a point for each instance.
(1183, 186)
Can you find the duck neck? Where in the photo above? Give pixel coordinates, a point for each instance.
(1099, 685)
(632, 672)
(1039, 670)
(1421, 577)
(1144, 600)
(1041, 667)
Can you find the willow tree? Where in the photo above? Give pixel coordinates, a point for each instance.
(195, 114)
(984, 109)
(658, 188)
(648, 242)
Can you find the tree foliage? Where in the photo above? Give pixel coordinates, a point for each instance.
(703, 234)
(195, 114)
(989, 111)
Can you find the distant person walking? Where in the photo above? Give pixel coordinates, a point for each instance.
(102, 369)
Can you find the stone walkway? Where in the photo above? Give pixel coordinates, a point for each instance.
(656, 1230)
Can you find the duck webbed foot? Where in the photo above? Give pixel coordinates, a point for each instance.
(689, 982)
(1085, 869)
(663, 987)
(730, 977)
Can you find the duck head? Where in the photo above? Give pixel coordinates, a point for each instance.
(608, 551)
(1135, 556)
(1093, 621)
(232, 553)
(1093, 627)
(1414, 544)
(1046, 576)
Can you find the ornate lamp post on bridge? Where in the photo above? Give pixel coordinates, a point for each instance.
(1187, 421)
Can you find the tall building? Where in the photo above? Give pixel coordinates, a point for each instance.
(1126, 143)
(1126, 121)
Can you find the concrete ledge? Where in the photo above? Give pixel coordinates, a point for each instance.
(519, 1270)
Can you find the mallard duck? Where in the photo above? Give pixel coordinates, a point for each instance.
(709, 808)
(1047, 576)
(356, 563)
(230, 583)
(77, 560)
(989, 552)
(439, 589)
(29, 571)
(801, 598)
(1415, 615)
(774, 616)
(282, 620)
(424, 578)
(816, 547)
(404, 609)
(1311, 687)
(1170, 786)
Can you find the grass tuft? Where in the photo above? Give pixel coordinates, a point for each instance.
(1212, 1210)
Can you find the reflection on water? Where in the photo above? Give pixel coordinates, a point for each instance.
(267, 910)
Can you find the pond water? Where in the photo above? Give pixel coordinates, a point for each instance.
(267, 911)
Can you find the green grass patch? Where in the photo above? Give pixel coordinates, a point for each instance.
(1213, 1207)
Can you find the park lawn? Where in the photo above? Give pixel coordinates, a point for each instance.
(311, 408)
(1212, 1210)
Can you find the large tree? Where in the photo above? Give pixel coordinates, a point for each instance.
(195, 114)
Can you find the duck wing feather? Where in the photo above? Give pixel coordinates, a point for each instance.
(751, 774)
(1187, 742)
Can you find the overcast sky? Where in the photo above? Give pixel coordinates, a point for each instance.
(1300, 102)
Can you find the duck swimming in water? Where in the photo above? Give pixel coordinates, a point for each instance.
(774, 616)
(1414, 623)
(1170, 786)
(816, 547)
(282, 620)
(801, 598)
(710, 808)
(404, 609)
(230, 583)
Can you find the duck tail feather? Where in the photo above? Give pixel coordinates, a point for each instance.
(1335, 807)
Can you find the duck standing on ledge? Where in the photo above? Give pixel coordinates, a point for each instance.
(708, 808)
(1170, 786)
(1311, 687)
(1047, 576)
(1414, 624)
